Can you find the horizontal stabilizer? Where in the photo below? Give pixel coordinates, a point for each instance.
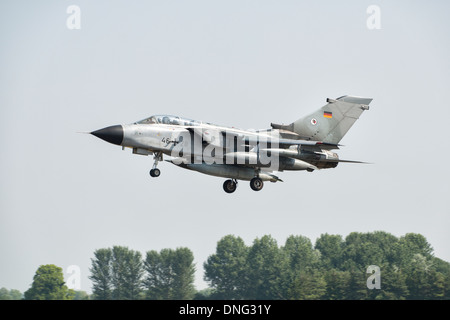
(344, 161)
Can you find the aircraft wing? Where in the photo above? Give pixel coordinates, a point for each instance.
(290, 142)
(212, 136)
(215, 136)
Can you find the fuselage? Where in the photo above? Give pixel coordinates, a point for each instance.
(211, 144)
(237, 154)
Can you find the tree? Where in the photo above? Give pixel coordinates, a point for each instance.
(330, 248)
(307, 286)
(444, 268)
(48, 284)
(334, 269)
(423, 281)
(226, 268)
(409, 248)
(393, 285)
(364, 249)
(300, 253)
(264, 268)
(170, 274)
(356, 287)
(184, 271)
(299, 281)
(336, 284)
(159, 274)
(117, 274)
(133, 271)
(12, 294)
(101, 274)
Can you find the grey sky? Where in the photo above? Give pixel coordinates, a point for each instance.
(237, 63)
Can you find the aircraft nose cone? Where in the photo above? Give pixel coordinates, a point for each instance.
(113, 134)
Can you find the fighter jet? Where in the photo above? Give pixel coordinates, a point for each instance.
(236, 154)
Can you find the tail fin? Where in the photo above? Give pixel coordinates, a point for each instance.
(331, 122)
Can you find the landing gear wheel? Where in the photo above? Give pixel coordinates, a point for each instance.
(229, 186)
(256, 184)
(155, 172)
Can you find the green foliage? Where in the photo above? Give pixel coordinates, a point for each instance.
(361, 250)
(205, 294)
(101, 274)
(330, 248)
(393, 285)
(116, 273)
(307, 286)
(127, 272)
(12, 294)
(48, 284)
(119, 273)
(299, 262)
(226, 268)
(336, 284)
(263, 270)
(333, 268)
(170, 274)
(81, 295)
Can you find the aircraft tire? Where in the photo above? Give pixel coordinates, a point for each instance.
(229, 186)
(256, 184)
(155, 172)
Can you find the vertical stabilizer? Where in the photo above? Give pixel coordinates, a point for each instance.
(331, 122)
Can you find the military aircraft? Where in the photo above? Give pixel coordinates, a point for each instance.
(236, 154)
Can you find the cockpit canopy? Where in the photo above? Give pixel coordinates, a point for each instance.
(168, 119)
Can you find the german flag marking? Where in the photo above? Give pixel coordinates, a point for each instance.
(328, 114)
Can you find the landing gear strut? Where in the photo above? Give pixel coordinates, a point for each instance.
(229, 186)
(155, 172)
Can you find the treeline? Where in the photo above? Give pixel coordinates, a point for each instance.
(333, 268)
(12, 294)
(48, 284)
(119, 273)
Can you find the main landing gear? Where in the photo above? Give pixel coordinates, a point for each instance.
(155, 172)
(256, 184)
(230, 185)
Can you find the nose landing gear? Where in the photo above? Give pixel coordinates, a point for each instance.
(155, 172)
